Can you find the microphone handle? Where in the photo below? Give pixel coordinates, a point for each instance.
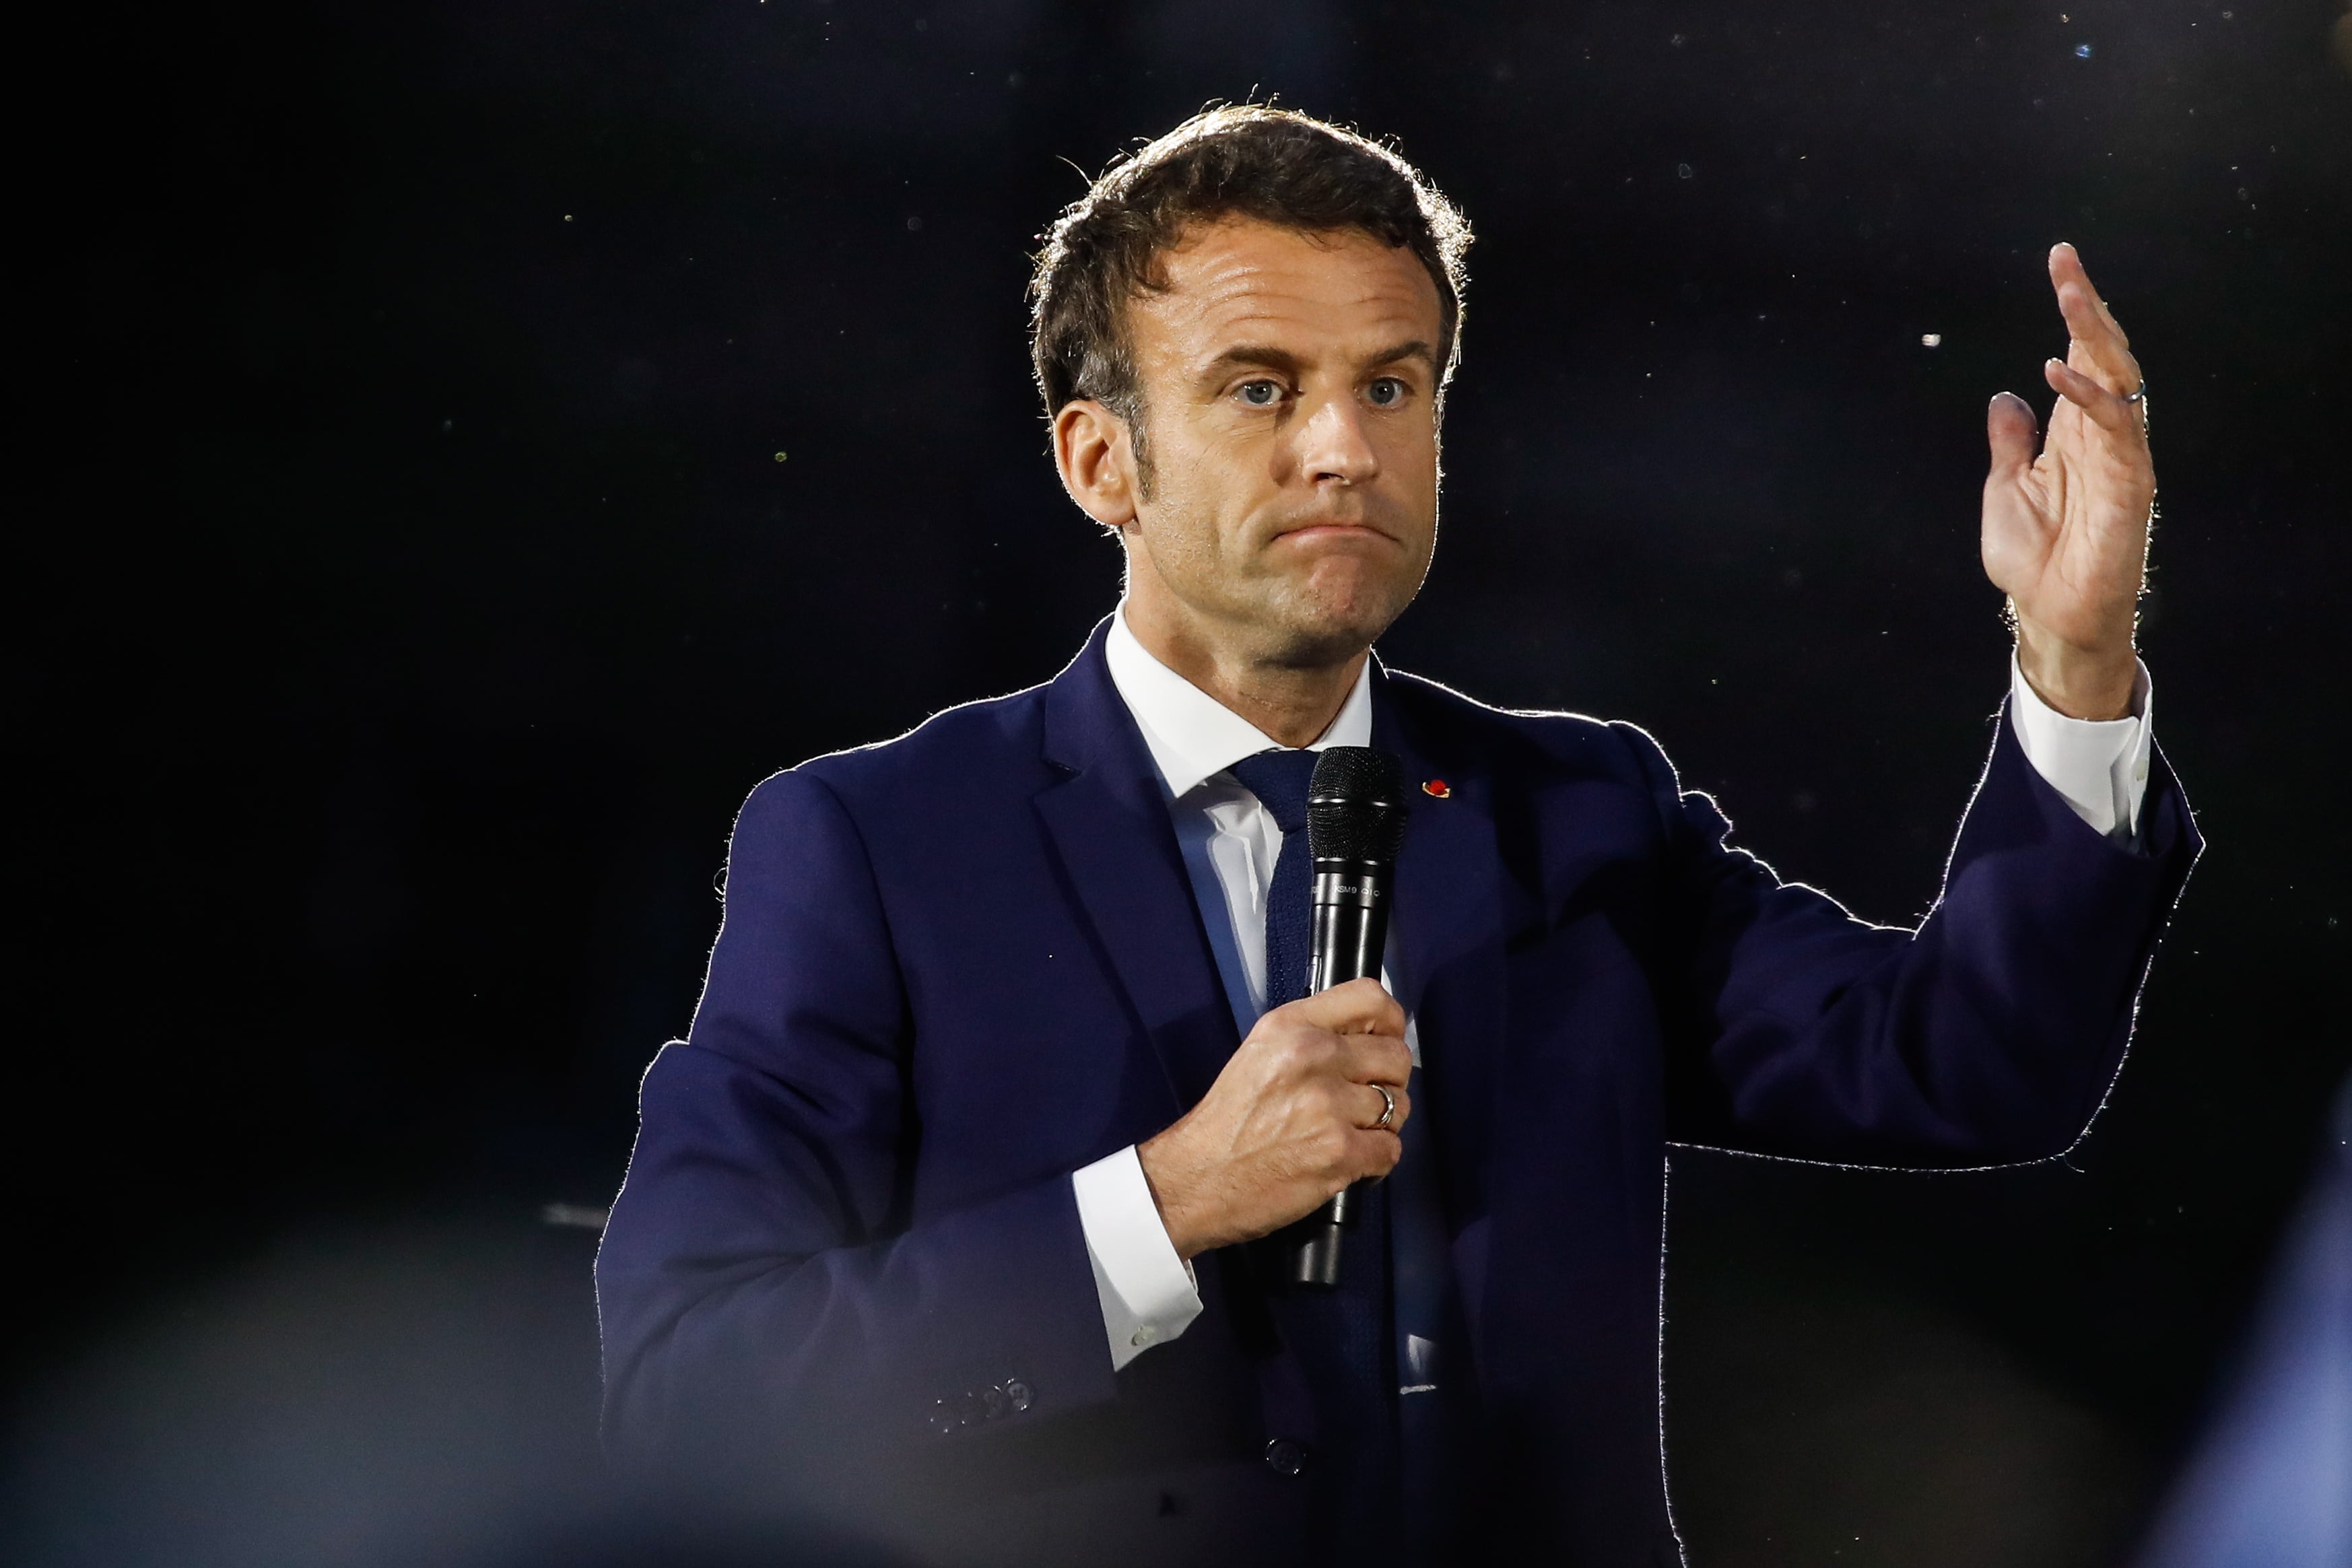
(1349, 934)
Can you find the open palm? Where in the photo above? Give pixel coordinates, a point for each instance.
(2065, 532)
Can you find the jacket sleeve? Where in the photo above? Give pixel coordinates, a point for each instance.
(760, 1284)
(1989, 1035)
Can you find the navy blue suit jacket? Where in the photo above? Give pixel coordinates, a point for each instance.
(957, 966)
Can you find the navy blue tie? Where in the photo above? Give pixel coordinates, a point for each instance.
(1280, 779)
(1342, 1336)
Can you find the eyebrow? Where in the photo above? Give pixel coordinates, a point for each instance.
(1267, 357)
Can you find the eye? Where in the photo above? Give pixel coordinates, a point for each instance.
(1386, 392)
(1261, 393)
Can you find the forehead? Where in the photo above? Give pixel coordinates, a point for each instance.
(1244, 281)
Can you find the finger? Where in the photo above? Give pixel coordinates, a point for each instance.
(2011, 429)
(1370, 1104)
(2096, 344)
(2067, 269)
(2103, 408)
(1376, 1058)
(2104, 350)
(1372, 1153)
(1359, 1006)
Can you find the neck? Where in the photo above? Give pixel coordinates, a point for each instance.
(1293, 703)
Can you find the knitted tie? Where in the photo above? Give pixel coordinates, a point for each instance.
(1279, 780)
(1341, 1336)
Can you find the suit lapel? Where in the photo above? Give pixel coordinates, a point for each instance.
(1109, 824)
(1449, 939)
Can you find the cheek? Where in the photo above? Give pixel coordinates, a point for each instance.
(1189, 521)
(1212, 489)
(1412, 457)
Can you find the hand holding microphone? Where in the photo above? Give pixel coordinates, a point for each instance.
(1291, 1121)
(1314, 1099)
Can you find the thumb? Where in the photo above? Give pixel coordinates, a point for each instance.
(2011, 427)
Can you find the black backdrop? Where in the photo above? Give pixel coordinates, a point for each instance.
(471, 444)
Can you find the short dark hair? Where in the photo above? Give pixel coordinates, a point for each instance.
(1250, 161)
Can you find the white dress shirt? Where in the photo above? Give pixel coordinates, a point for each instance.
(1230, 842)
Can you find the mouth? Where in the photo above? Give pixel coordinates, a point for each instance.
(1335, 532)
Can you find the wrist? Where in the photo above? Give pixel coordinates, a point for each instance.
(1162, 1166)
(2083, 683)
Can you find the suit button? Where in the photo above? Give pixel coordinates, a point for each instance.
(1285, 1456)
(992, 1404)
(1016, 1395)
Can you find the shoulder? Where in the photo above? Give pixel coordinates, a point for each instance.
(974, 752)
(1524, 741)
(1565, 767)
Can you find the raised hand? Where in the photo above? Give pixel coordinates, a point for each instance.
(2065, 533)
(1291, 1120)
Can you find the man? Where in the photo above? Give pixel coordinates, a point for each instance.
(953, 1208)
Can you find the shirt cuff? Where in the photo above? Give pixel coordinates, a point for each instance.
(2098, 765)
(1148, 1293)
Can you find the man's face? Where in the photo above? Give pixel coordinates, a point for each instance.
(1290, 384)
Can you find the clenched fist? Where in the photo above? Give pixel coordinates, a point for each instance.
(1289, 1123)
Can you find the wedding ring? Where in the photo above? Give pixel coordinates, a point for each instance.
(1388, 1109)
(2140, 394)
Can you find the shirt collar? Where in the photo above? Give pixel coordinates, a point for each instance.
(1191, 735)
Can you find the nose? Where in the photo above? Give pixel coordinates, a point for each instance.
(1334, 444)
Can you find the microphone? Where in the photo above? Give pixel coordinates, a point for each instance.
(1355, 822)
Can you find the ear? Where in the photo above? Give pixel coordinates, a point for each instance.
(1096, 461)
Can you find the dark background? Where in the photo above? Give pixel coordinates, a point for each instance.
(470, 445)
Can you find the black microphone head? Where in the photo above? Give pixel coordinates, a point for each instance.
(1356, 805)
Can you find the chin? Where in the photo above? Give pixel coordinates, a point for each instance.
(1323, 628)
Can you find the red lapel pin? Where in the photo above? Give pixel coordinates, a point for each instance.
(1437, 788)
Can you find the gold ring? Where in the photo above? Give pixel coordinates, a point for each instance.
(1388, 1109)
